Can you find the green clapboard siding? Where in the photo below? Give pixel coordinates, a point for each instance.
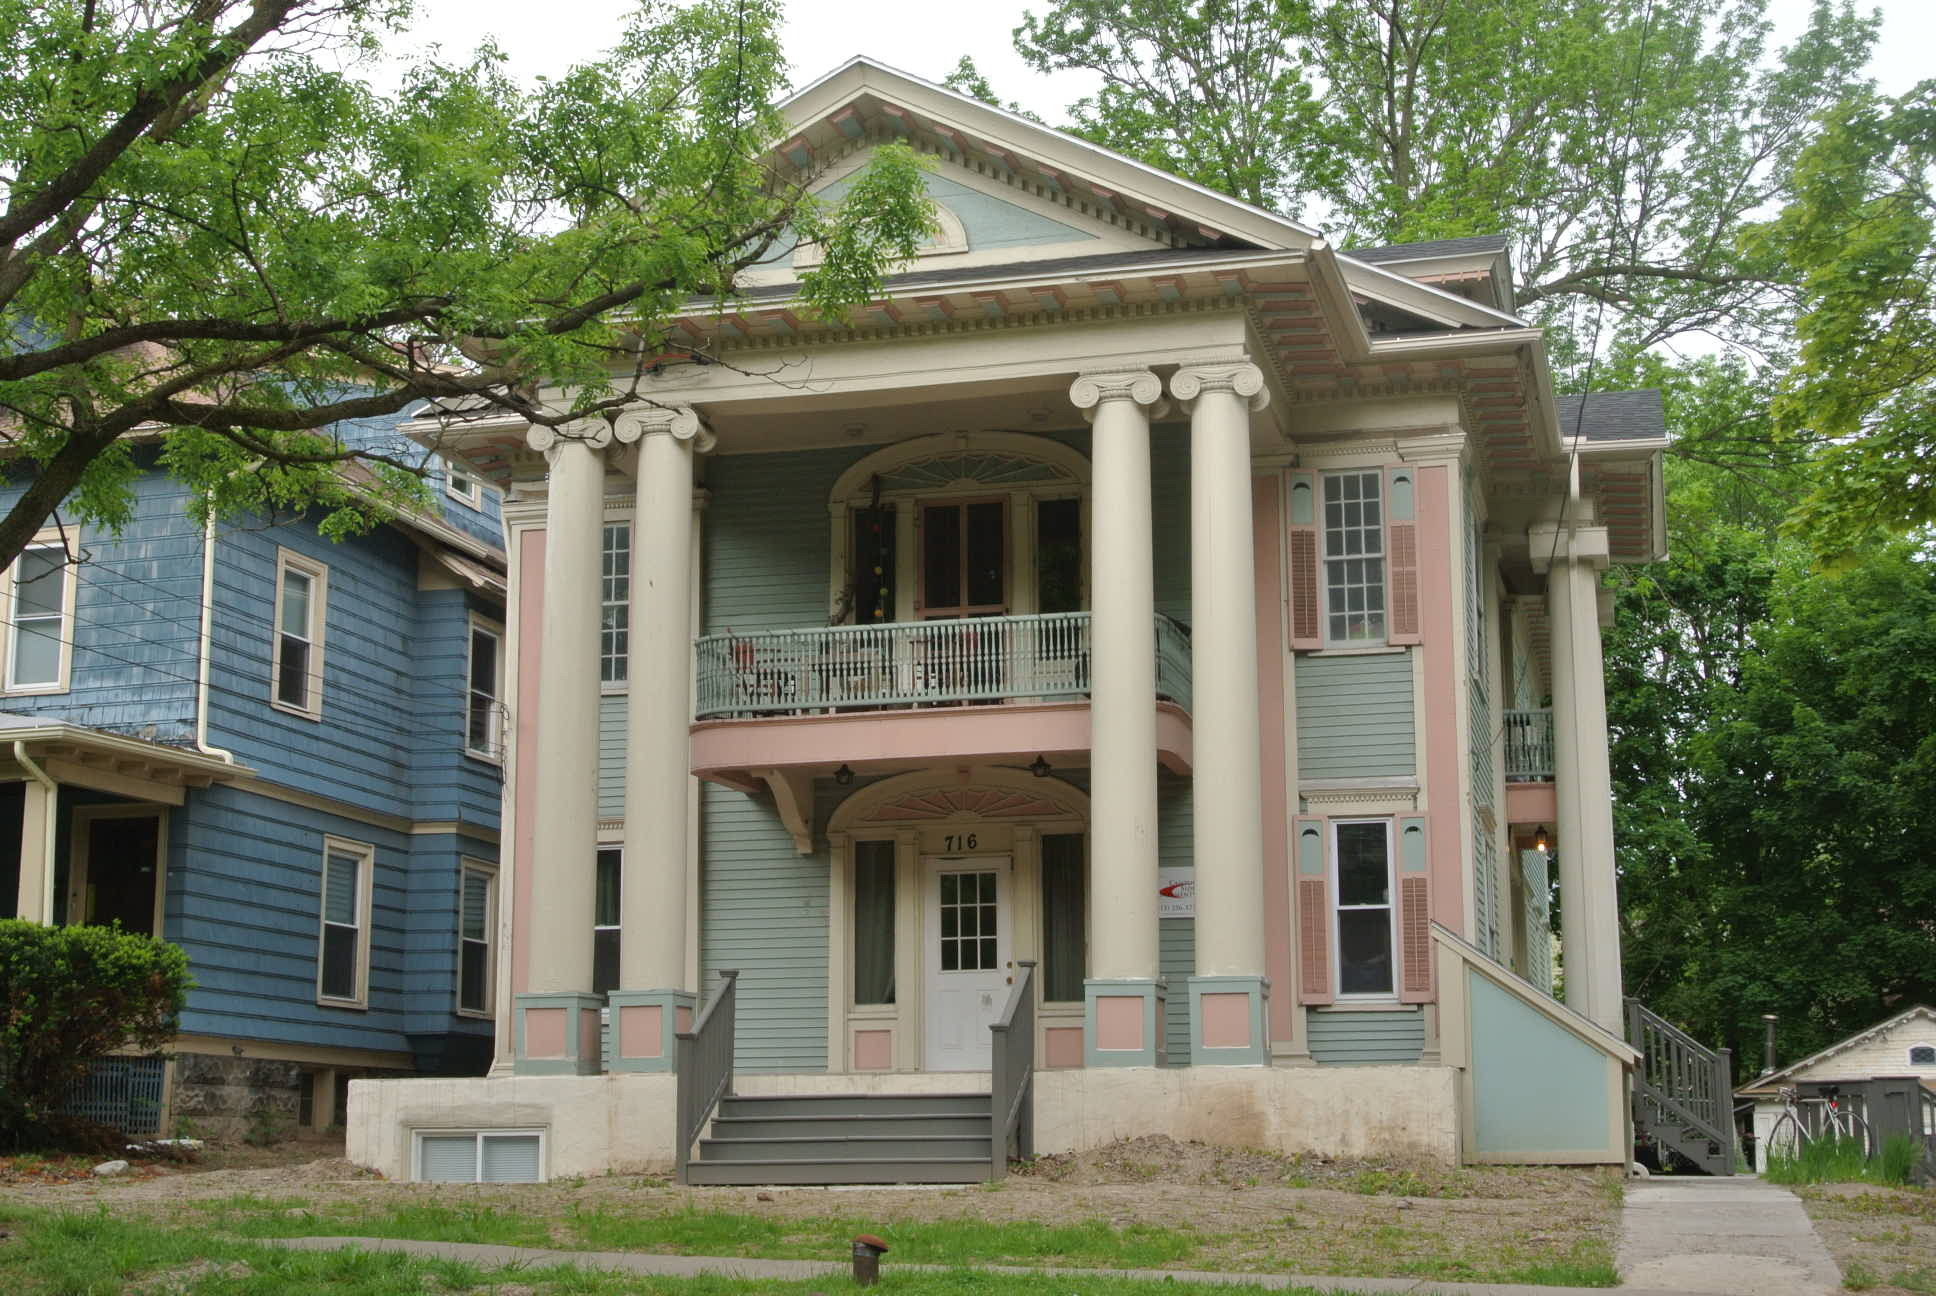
(763, 910)
(768, 538)
(1364, 1038)
(1354, 717)
(611, 756)
(1176, 937)
(1536, 1087)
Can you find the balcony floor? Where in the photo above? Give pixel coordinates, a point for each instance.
(745, 753)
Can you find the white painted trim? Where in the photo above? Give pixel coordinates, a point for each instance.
(80, 862)
(52, 538)
(501, 716)
(366, 886)
(288, 560)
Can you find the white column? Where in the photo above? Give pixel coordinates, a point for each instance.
(1582, 779)
(1227, 810)
(1122, 677)
(566, 827)
(659, 712)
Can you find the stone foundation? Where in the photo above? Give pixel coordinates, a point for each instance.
(624, 1123)
(233, 1098)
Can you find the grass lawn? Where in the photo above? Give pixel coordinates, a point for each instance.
(82, 1254)
(1884, 1238)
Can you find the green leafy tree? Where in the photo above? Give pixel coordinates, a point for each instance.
(1622, 145)
(1860, 238)
(209, 229)
(69, 995)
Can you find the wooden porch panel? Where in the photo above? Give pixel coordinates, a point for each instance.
(724, 750)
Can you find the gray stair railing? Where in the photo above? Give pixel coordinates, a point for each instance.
(1011, 1098)
(1685, 1090)
(705, 1064)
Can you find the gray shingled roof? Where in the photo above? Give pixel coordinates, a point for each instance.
(1613, 416)
(1055, 266)
(1482, 244)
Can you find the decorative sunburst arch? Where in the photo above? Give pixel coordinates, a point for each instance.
(964, 461)
(984, 793)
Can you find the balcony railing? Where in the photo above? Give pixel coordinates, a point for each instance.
(1529, 745)
(919, 663)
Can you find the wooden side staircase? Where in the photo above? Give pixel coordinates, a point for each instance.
(1683, 1093)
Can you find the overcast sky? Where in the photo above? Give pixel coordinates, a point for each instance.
(926, 39)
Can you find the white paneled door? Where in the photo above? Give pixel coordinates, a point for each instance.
(966, 939)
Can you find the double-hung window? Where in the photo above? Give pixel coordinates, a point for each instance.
(461, 486)
(1364, 926)
(40, 596)
(615, 602)
(1354, 558)
(302, 593)
(605, 921)
(484, 707)
(476, 922)
(343, 967)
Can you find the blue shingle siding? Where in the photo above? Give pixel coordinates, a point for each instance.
(1354, 716)
(764, 911)
(1344, 1038)
(448, 783)
(430, 933)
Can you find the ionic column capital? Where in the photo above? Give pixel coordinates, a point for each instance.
(593, 434)
(1093, 388)
(1239, 377)
(680, 422)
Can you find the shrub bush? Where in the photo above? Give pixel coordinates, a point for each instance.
(69, 995)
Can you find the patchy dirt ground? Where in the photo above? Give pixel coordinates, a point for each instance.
(1883, 1238)
(1245, 1210)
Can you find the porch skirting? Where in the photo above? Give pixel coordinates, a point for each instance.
(624, 1123)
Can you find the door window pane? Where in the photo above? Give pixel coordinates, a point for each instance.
(968, 932)
(874, 922)
(1058, 555)
(987, 550)
(941, 556)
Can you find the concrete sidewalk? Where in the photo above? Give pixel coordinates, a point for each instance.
(1737, 1236)
(670, 1266)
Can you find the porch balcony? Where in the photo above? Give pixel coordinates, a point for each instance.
(1529, 745)
(900, 694)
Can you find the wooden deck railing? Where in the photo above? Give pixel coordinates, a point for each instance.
(1683, 1091)
(705, 1064)
(1529, 745)
(901, 664)
(1011, 1098)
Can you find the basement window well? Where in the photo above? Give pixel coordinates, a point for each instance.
(479, 1156)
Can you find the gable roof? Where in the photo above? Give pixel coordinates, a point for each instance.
(1922, 1011)
(1480, 245)
(1606, 418)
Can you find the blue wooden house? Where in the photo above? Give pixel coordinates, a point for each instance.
(283, 754)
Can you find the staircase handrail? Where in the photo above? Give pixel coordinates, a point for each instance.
(705, 1062)
(1682, 1100)
(1011, 1096)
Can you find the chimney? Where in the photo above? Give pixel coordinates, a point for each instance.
(1768, 1044)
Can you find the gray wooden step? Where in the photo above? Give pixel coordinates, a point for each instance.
(854, 1104)
(839, 1124)
(867, 1147)
(845, 1171)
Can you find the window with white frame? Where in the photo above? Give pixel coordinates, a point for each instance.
(302, 594)
(343, 962)
(1364, 921)
(476, 923)
(461, 485)
(605, 921)
(615, 598)
(1354, 558)
(480, 1156)
(40, 615)
(484, 703)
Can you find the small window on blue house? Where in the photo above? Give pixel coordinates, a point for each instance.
(615, 602)
(40, 611)
(484, 707)
(476, 920)
(297, 671)
(605, 922)
(342, 974)
(461, 486)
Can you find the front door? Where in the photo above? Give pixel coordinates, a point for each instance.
(966, 944)
(116, 875)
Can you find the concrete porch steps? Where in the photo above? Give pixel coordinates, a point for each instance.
(846, 1139)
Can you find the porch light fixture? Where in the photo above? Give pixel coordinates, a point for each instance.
(1540, 842)
(844, 776)
(1039, 767)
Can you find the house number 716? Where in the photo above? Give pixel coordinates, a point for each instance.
(957, 841)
